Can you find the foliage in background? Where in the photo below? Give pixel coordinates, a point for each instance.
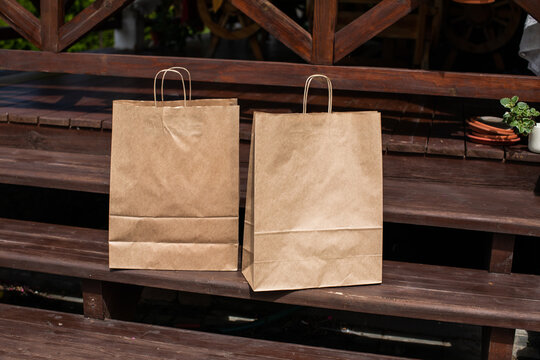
(91, 41)
(167, 28)
(520, 116)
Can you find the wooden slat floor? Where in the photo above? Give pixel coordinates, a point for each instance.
(411, 123)
(28, 333)
(408, 290)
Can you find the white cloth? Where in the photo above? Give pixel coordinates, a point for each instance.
(529, 48)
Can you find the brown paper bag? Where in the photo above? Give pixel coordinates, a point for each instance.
(314, 200)
(174, 184)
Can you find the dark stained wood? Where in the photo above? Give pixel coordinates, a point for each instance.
(104, 300)
(37, 334)
(93, 304)
(281, 74)
(521, 153)
(447, 135)
(410, 135)
(273, 20)
(21, 20)
(418, 291)
(474, 150)
(498, 343)
(52, 17)
(530, 6)
(87, 19)
(324, 25)
(55, 139)
(368, 25)
(501, 253)
(60, 170)
(467, 194)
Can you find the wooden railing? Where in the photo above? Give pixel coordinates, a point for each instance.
(320, 50)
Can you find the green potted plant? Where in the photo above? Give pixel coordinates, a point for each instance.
(523, 118)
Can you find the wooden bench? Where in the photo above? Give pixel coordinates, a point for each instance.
(481, 195)
(39, 334)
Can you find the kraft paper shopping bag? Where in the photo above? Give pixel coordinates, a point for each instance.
(314, 200)
(174, 184)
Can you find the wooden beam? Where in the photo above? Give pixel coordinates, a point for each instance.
(530, 6)
(324, 25)
(278, 24)
(367, 26)
(52, 17)
(497, 343)
(357, 78)
(502, 253)
(87, 19)
(21, 20)
(106, 300)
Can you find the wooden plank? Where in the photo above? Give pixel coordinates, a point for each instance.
(447, 135)
(55, 170)
(21, 20)
(356, 78)
(521, 153)
(324, 25)
(498, 343)
(36, 333)
(104, 300)
(87, 19)
(530, 6)
(472, 109)
(52, 17)
(367, 26)
(502, 253)
(282, 27)
(419, 291)
(412, 130)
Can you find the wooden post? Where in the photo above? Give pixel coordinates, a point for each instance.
(501, 253)
(105, 300)
(52, 17)
(324, 25)
(498, 343)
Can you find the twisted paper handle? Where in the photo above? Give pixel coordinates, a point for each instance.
(306, 89)
(164, 72)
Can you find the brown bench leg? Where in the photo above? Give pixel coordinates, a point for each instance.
(498, 343)
(502, 253)
(105, 300)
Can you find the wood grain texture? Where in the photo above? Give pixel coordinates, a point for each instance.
(282, 27)
(324, 25)
(21, 20)
(501, 253)
(87, 19)
(368, 25)
(465, 194)
(497, 343)
(356, 78)
(52, 17)
(530, 6)
(419, 291)
(34, 334)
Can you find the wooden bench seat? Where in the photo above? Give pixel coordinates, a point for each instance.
(408, 290)
(27, 333)
(456, 193)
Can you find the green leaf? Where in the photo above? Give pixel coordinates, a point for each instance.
(515, 99)
(505, 102)
(521, 105)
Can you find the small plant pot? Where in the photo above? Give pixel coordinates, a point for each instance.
(534, 139)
